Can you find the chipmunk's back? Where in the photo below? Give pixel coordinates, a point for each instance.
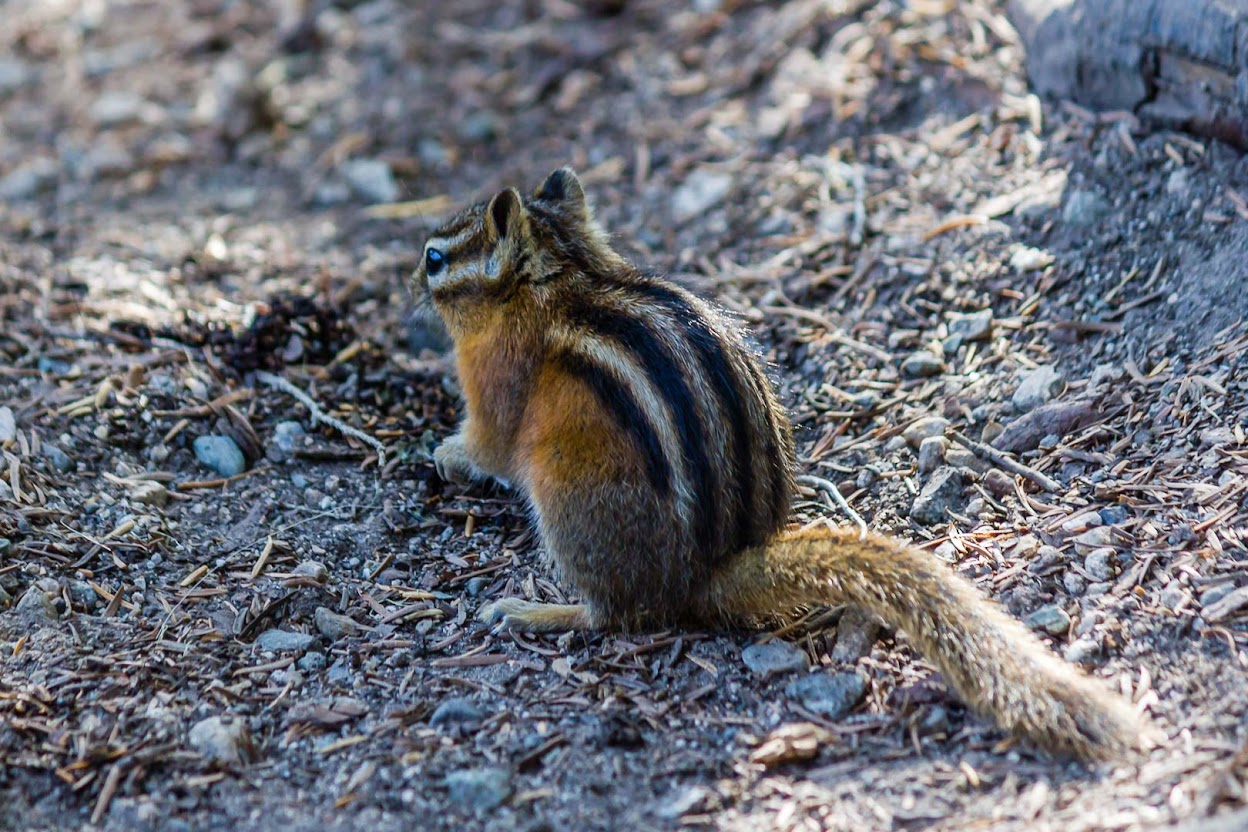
(689, 397)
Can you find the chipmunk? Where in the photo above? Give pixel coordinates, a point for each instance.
(658, 466)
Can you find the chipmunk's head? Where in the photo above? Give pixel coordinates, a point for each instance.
(511, 251)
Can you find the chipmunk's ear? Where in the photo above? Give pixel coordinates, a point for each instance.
(505, 218)
(564, 189)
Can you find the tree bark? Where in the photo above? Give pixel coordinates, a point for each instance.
(1182, 63)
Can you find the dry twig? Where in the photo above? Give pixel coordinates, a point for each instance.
(832, 491)
(319, 415)
(1007, 462)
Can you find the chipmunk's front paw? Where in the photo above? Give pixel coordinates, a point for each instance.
(452, 461)
(532, 617)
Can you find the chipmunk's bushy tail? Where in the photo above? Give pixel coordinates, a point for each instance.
(993, 662)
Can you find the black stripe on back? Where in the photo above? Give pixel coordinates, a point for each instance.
(619, 402)
(724, 381)
(665, 374)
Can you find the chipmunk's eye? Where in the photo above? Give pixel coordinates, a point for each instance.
(434, 261)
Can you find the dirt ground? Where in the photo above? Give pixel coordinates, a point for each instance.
(204, 201)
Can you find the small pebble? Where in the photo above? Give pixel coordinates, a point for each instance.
(313, 569)
(1051, 619)
(481, 126)
(480, 789)
(925, 428)
(118, 107)
(1027, 259)
(1037, 387)
(1097, 589)
(1084, 208)
(701, 191)
(1074, 583)
(774, 657)
(221, 454)
(998, 483)
(339, 673)
(1097, 537)
(1099, 564)
(941, 493)
(288, 435)
(333, 625)
(935, 720)
(223, 739)
(8, 425)
(1216, 437)
(831, 694)
(683, 801)
(14, 74)
(53, 366)
(108, 158)
(1177, 183)
(856, 634)
(1180, 534)
(1173, 595)
(150, 493)
(39, 600)
(976, 326)
(1213, 594)
(922, 364)
(1081, 522)
(57, 458)
(1083, 650)
(963, 458)
(312, 662)
(371, 180)
(1112, 515)
(932, 453)
(457, 712)
(29, 178)
(280, 641)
